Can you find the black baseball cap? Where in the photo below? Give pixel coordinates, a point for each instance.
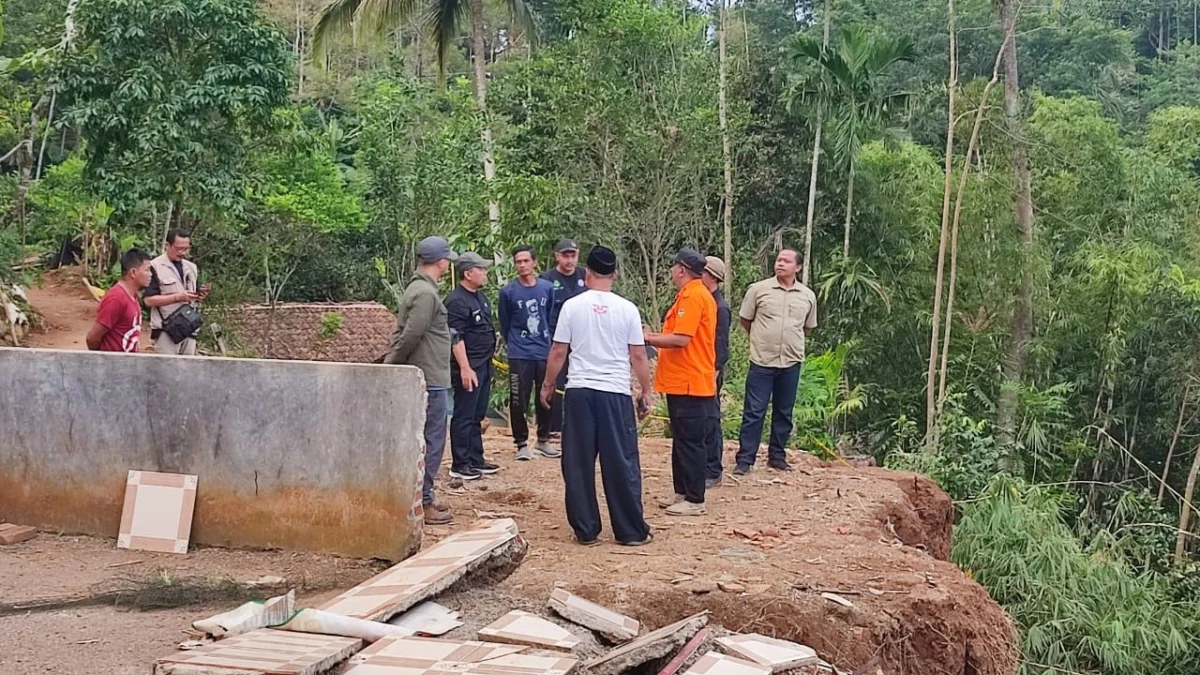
(691, 259)
(602, 260)
(565, 245)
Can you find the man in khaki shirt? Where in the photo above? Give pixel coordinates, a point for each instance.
(778, 313)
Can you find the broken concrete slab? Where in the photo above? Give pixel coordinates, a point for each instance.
(15, 534)
(327, 623)
(417, 656)
(494, 544)
(265, 651)
(248, 617)
(428, 619)
(685, 654)
(523, 628)
(653, 645)
(715, 663)
(612, 625)
(778, 655)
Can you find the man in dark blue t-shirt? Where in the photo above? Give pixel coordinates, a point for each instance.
(566, 278)
(525, 304)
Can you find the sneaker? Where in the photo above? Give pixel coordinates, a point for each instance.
(487, 468)
(710, 483)
(524, 454)
(437, 506)
(436, 517)
(741, 470)
(469, 473)
(668, 502)
(686, 508)
(641, 542)
(546, 450)
(779, 465)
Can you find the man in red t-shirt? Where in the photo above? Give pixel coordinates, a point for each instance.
(118, 326)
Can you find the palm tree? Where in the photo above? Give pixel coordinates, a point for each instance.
(442, 18)
(848, 88)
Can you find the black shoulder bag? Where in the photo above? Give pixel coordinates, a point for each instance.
(183, 323)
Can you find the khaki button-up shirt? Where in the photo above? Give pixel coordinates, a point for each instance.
(778, 317)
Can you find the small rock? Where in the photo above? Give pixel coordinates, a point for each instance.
(731, 587)
(771, 532)
(745, 532)
(837, 599)
(750, 498)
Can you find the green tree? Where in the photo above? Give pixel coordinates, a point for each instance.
(167, 94)
(850, 86)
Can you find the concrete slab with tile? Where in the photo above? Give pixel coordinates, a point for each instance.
(266, 651)
(715, 663)
(157, 515)
(612, 625)
(435, 656)
(653, 645)
(429, 572)
(523, 628)
(778, 655)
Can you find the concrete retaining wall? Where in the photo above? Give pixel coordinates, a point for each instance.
(289, 454)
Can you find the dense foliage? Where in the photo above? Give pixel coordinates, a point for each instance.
(310, 179)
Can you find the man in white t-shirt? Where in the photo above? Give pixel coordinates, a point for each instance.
(603, 332)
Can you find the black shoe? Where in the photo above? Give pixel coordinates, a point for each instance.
(741, 470)
(469, 473)
(487, 468)
(710, 483)
(779, 465)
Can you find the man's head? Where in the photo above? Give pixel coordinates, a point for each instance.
(601, 266)
(179, 245)
(434, 256)
(787, 265)
(687, 265)
(525, 260)
(135, 268)
(714, 272)
(566, 254)
(472, 270)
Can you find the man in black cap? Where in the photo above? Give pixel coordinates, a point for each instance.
(603, 333)
(474, 340)
(422, 339)
(713, 277)
(568, 281)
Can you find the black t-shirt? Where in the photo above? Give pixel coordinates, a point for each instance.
(470, 317)
(565, 288)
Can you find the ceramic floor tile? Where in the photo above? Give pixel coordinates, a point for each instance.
(429, 572)
(611, 624)
(427, 619)
(714, 663)
(778, 655)
(523, 628)
(264, 651)
(157, 515)
(433, 656)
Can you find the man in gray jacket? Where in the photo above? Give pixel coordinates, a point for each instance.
(422, 339)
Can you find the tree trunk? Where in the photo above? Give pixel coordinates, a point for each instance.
(479, 62)
(1166, 472)
(37, 175)
(951, 89)
(816, 160)
(1185, 509)
(298, 48)
(1022, 320)
(725, 149)
(849, 211)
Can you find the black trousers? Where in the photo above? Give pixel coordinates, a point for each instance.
(692, 437)
(716, 446)
(524, 378)
(601, 424)
(556, 400)
(470, 407)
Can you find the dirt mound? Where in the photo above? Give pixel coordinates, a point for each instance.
(772, 544)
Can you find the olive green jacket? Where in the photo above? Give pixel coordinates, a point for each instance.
(422, 336)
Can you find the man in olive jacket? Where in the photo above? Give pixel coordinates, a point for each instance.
(422, 339)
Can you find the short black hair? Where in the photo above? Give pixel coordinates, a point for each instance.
(172, 235)
(133, 258)
(523, 248)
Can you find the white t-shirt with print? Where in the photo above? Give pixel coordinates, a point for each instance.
(599, 326)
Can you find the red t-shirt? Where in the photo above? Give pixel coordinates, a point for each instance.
(121, 314)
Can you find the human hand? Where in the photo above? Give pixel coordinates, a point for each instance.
(644, 404)
(547, 393)
(186, 296)
(469, 379)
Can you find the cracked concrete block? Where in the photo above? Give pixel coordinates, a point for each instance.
(778, 655)
(653, 645)
(715, 663)
(523, 628)
(612, 625)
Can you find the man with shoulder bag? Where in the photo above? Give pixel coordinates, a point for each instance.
(172, 297)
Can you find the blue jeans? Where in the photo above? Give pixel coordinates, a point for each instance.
(768, 385)
(435, 438)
